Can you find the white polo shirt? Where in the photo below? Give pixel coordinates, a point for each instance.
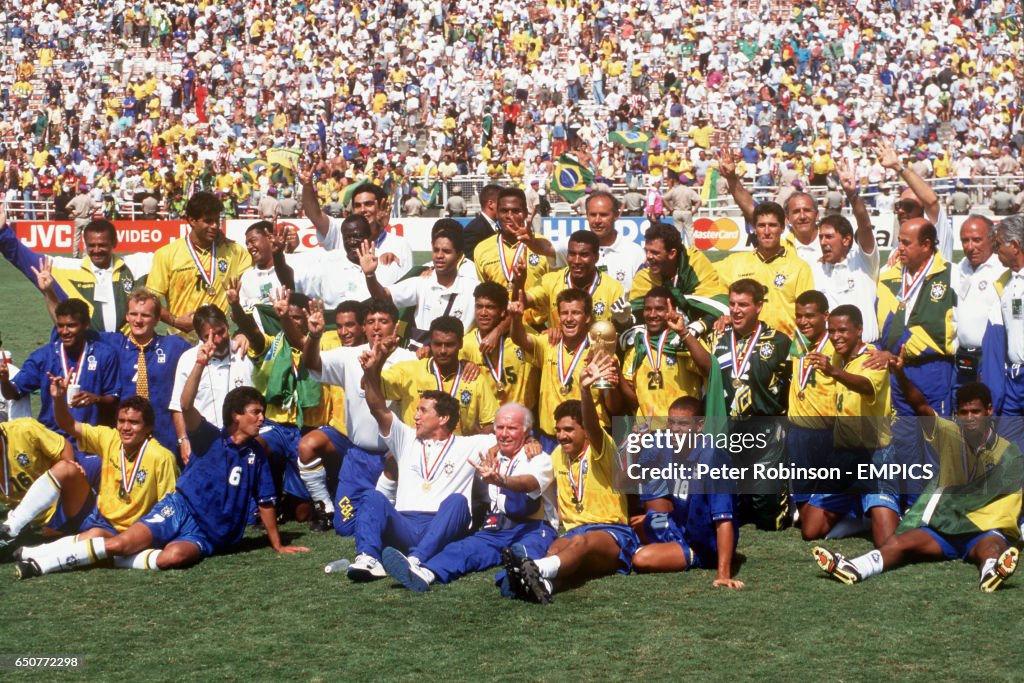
(541, 468)
(1012, 306)
(329, 276)
(220, 376)
(427, 473)
(340, 367)
(433, 300)
(976, 299)
(852, 281)
(387, 243)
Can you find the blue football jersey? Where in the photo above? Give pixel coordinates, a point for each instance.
(95, 368)
(162, 355)
(697, 503)
(220, 482)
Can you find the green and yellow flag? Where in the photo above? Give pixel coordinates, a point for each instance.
(571, 178)
(633, 139)
(283, 162)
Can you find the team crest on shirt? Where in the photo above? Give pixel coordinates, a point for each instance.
(167, 511)
(534, 259)
(22, 459)
(127, 286)
(620, 275)
(519, 353)
(599, 308)
(938, 290)
(457, 314)
(161, 358)
(766, 350)
(779, 280)
(222, 265)
(983, 285)
(91, 360)
(140, 477)
(850, 284)
(670, 360)
(465, 397)
(449, 469)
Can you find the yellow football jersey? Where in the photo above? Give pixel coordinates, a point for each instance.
(175, 275)
(786, 276)
(30, 450)
(586, 494)
(604, 291)
(813, 405)
(863, 421)
(679, 377)
(708, 283)
(552, 392)
(312, 416)
(405, 381)
(520, 378)
(489, 263)
(151, 476)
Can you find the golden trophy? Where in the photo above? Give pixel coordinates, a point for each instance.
(603, 337)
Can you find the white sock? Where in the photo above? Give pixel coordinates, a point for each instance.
(145, 559)
(548, 566)
(58, 547)
(43, 492)
(987, 565)
(868, 564)
(314, 476)
(68, 556)
(389, 487)
(425, 573)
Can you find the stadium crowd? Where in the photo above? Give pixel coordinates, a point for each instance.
(460, 417)
(125, 101)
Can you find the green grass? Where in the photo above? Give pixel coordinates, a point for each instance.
(252, 615)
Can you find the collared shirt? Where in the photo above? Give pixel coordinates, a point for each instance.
(810, 253)
(785, 275)
(977, 299)
(621, 260)
(1012, 307)
(220, 376)
(330, 277)
(851, 281)
(432, 299)
(388, 242)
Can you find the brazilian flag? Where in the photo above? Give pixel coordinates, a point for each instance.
(427, 194)
(252, 168)
(283, 162)
(1011, 25)
(633, 139)
(571, 178)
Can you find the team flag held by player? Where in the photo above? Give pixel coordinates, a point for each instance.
(633, 139)
(571, 178)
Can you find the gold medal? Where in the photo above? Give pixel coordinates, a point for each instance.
(425, 486)
(564, 390)
(210, 290)
(735, 383)
(657, 380)
(502, 388)
(579, 507)
(800, 395)
(901, 307)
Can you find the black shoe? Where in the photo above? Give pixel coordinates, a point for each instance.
(539, 589)
(322, 519)
(7, 540)
(513, 565)
(26, 569)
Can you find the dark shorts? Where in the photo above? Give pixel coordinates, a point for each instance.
(958, 547)
(171, 521)
(624, 536)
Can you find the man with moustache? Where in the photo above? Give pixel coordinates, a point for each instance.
(977, 297)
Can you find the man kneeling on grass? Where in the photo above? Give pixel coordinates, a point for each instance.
(599, 540)
(970, 508)
(210, 508)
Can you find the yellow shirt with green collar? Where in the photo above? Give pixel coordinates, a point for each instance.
(785, 275)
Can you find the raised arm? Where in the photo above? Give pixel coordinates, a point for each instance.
(61, 413)
(284, 272)
(701, 357)
(368, 262)
(520, 337)
(741, 195)
(45, 282)
(865, 234)
(245, 322)
(373, 362)
(192, 416)
(913, 396)
(311, 348)
(600, 365)
(929, 200)
(292, 333)
(310, 202)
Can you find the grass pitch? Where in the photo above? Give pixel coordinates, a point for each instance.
(252, 615)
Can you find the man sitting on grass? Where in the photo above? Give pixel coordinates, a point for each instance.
(971, 507)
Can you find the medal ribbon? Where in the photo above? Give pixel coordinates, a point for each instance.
(70, 376)
(496, 373)
(430, 471)
(907, 292)
(593, 285)
(128, 482)
(577, 487)
(564, 377)
(6, 481)
(440, 380)
(207, 278)
(803, 370)
(741, 360)
(506, 270)
(655, 361)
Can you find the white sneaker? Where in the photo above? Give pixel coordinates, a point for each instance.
(365, 568)
(407, 570)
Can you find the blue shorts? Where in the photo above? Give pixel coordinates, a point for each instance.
(92, 464)
(283, 454)
(853, 505)
(98, 521)
(170, 521)
(358, 475)
(60, 522)
(807, 448)
(624, 536)
(954, 547)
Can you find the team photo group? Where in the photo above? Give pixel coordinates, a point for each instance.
(457, 416)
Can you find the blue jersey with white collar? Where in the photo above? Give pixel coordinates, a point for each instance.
(95, 368)
(220, 481)
(162, 354)
(697, 503)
